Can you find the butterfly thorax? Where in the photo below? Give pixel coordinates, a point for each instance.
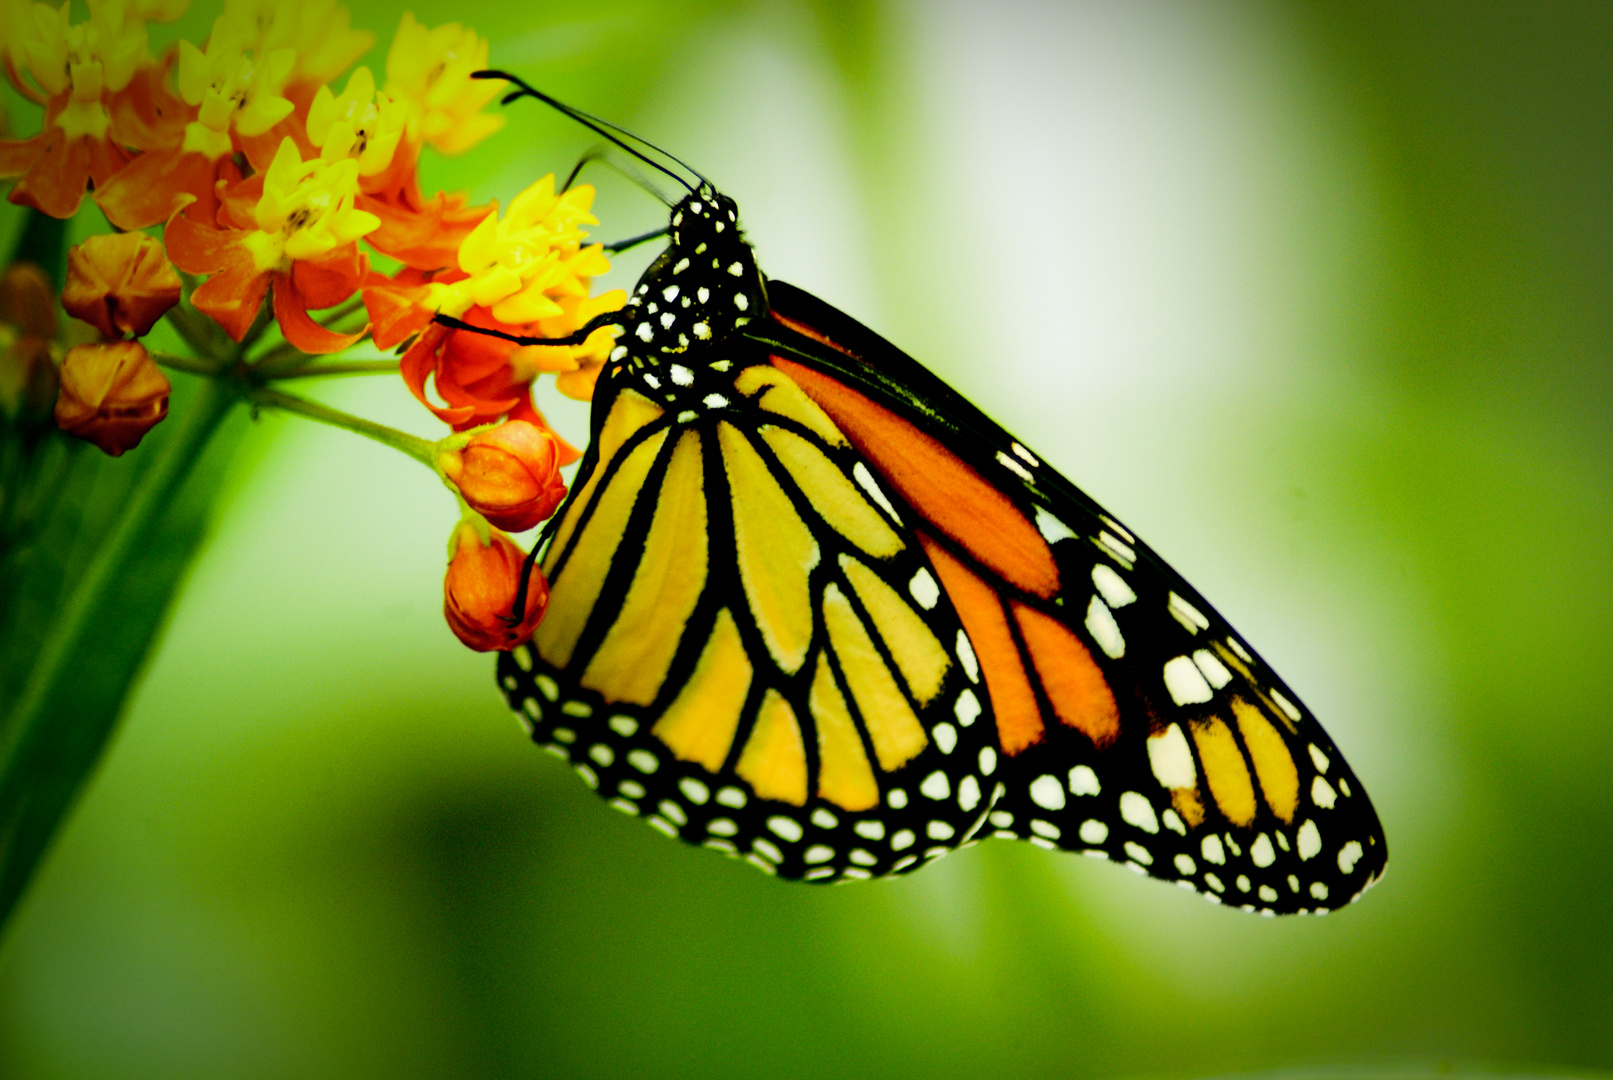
(690, 301)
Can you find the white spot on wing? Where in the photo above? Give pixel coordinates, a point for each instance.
(1052, 529)
(1210, 847)
(1139, 853)
(1214, 670)
(1014, 467)
(865, 479)
(1117, 527)
(1285, 705)
(785, 828)
(936, 786)
(1185, 683)
(969, 793)
(1188, 615)
(1104, 630)
(1322, 793)
(1261, 851)
(716, 401)
(823, 819)
(924, 589)
(1349, 855)
(946, 737)
(1047, 793)
(1121, 553)
(1318, 758)
(1310, 840)
(988, 761)
(967, 710)
(1171, 760)
(1093, 832)
(681, 375)
(1116, 593)
(694, 790)
(966, 656)
(1083, 781)
(1138, 811)
(1025, 455)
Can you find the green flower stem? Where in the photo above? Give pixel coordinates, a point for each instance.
(422, 450)
(345, 367)
(27, 731)
(186, 363)
(199, 332)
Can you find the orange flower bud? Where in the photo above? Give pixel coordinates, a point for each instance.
(120, 283)
(479, 591)
(509, 474)
(112, 394)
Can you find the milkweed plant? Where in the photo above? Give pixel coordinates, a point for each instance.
(260, 195)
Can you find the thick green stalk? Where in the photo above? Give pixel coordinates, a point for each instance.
(30, 733)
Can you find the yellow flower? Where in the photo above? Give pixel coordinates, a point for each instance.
(360, 124)
(90, 59)
(231, 87)
(307, 209)
(520, 265)
(430, 69)
(320, 33)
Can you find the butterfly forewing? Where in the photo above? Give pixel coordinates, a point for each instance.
(1132, 721)
(748, 646)
(811, 608)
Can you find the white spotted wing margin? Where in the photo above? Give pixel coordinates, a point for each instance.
(1219, 779)
(687, 775)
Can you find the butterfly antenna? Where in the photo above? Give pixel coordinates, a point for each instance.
(603, 128)
(633, 176)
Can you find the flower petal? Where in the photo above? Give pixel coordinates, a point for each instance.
(291, 311)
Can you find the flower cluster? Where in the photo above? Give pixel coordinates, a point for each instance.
(249, 163)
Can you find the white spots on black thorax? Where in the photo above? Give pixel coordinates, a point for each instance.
(690, 302)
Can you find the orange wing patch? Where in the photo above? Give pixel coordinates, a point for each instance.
(1077, 690)
(936, 483)
(1019, 720)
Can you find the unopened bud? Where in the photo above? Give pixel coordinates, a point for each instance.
(509, 474)
(121, 283)
(111, 395)
(480, 591)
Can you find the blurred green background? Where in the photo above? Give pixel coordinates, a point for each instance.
(1317, 298)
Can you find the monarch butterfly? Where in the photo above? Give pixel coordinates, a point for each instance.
(812, 609)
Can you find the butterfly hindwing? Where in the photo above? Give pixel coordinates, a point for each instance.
(1133, 722)
(746, 644)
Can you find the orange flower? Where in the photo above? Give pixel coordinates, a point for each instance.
(85, 76)
(481, 587)
(120, 283)
(111, 395)
(528, 274)
(509, 474)
(293, 227)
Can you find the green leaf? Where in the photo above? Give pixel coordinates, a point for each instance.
(90, 559)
